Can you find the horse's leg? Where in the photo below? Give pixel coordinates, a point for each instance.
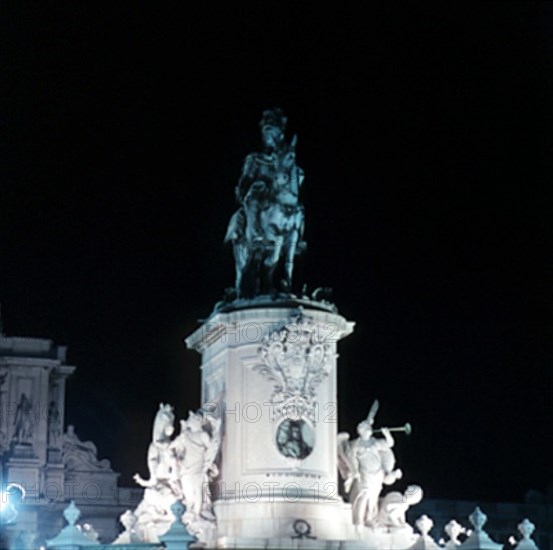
(270, 262)
(240, 261)
(289, 253)
(254, 213)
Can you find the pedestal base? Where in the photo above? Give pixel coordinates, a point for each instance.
(24, 468)
(295, 525)
(399, 540)
(55, 456)
(22, 450)
(286, 543)
(380, 539)
(323, 521)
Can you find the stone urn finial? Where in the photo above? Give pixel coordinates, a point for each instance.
(72, 513)
(478, 538)
(526, 528)
(478, 519)
(453, 529)
(178, 537)
(74, 536)
(178, 509)
(424, 524)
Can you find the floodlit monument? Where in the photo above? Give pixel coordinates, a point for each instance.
(262, 464)
(258, 464)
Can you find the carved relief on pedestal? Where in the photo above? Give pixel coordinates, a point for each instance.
(296, 359)
(295, 438)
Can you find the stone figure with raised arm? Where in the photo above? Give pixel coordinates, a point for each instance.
(266, 230)
(153, 514)
(160, 457)
(180, 469)
(366, 464)
(195, 450)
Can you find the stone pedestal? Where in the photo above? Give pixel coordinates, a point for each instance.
(24, 468)
(54, 456)
(22, 451)
(270, 373)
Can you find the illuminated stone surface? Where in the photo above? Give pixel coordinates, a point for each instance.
(265, 371)
(53, 466)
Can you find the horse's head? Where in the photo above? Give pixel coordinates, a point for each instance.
(163, 423)
(288, 155)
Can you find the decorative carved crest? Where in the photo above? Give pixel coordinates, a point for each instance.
(296, 359)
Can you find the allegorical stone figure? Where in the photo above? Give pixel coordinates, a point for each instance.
(23, 423)
(54, 425)
(81, 455)
(195, 450)
(366, 464)
(152, 516)
(160, 461)
(266, 231)
(393, 506)
(180, 469)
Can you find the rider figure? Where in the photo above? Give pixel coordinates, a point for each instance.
(258, 174)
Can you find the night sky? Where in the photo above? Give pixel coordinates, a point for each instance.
(425, 136)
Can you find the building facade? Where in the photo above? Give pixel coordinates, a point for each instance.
(51, 464)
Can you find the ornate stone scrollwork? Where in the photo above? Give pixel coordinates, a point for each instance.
(296, 359)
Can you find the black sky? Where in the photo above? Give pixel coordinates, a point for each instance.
(425, 135)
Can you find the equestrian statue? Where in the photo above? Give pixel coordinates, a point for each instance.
(267, 229)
